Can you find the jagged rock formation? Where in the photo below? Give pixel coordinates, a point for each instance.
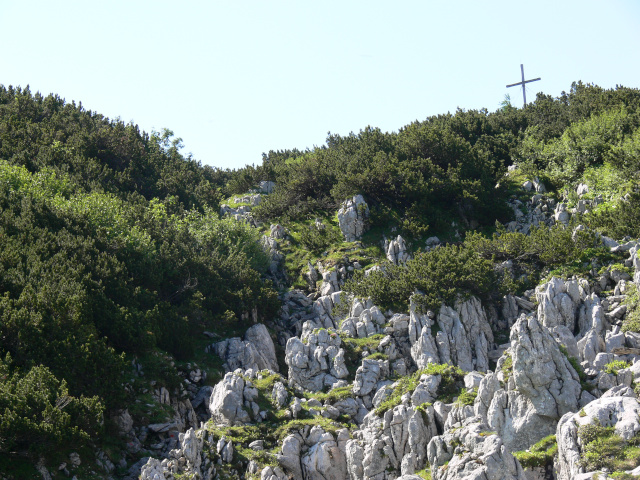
(540, 387)
(391, 443)
(539, 211)
(463, 338)
(396, 251)
(533, 392)
(227, 403)
(620, 412)
(270, 246)
(472, 451)
(255, 352)
(364, 321)
(353, 218)
(316, 361)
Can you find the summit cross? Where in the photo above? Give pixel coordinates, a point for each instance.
(524, 93)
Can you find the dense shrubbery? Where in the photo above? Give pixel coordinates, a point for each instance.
(473, 267)
(37, 412)
(97, 153)
(603, 448)
(441, 275)
(110, 241)
(110, 244)
(446, 167)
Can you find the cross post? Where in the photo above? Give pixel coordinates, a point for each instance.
(524, 93)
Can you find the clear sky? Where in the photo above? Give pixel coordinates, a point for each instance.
(235, 79)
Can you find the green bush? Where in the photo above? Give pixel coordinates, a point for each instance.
(616, 365)
(631, 321)
(603, 448)
(37, 413)
(617, 219)
(467, 397)
(450, 385)
(541, 454)
(441, 275)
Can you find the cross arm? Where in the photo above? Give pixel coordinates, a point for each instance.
(526, 81)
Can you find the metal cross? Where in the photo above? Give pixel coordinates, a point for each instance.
(524, 94)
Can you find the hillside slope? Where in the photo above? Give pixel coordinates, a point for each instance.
(387, 304)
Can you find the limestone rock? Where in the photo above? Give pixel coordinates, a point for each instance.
(541, 388)
(353, 218)
(478, 455)
(280, 394)
(396, 251)
(325, 459)
(368, 375)
(255, 352)
(227, 401)
(622, 413)
(319, 362)
(289, 459)
(224, 448)
(323, 308)
(277, 231)
(123, 421)
(152, 470)
(385, 444)
(266, 186)
(463, 339)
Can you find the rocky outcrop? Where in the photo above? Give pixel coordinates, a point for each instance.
(396, 251)
(228, 400)
(242, 212)
(559, 301)
(463, 338)
(365, 320)
(395, 443)
(329, 283)
(325, 457)
(314, 454)
(186, 460)
(368, 375)
(316, 361)
(270, 246)
(472, 451)
(512, 307)
(353, 218)
(536, 212)
(540, 387)
(323, 308)
(620, 412)
(266, 186)
(256, 351)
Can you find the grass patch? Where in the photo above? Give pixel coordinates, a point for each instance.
(355, 347)
(265, 386)
(327, 425)
(424, 474)
(450, 385)
(615, 366)
(603, 448)
(378, 356)
(507, 367)
(539, 455)
(467, 397)
(632, 319)
(332, 396)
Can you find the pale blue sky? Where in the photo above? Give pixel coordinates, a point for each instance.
(235, 79)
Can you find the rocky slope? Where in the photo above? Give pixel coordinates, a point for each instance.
(379, 395)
